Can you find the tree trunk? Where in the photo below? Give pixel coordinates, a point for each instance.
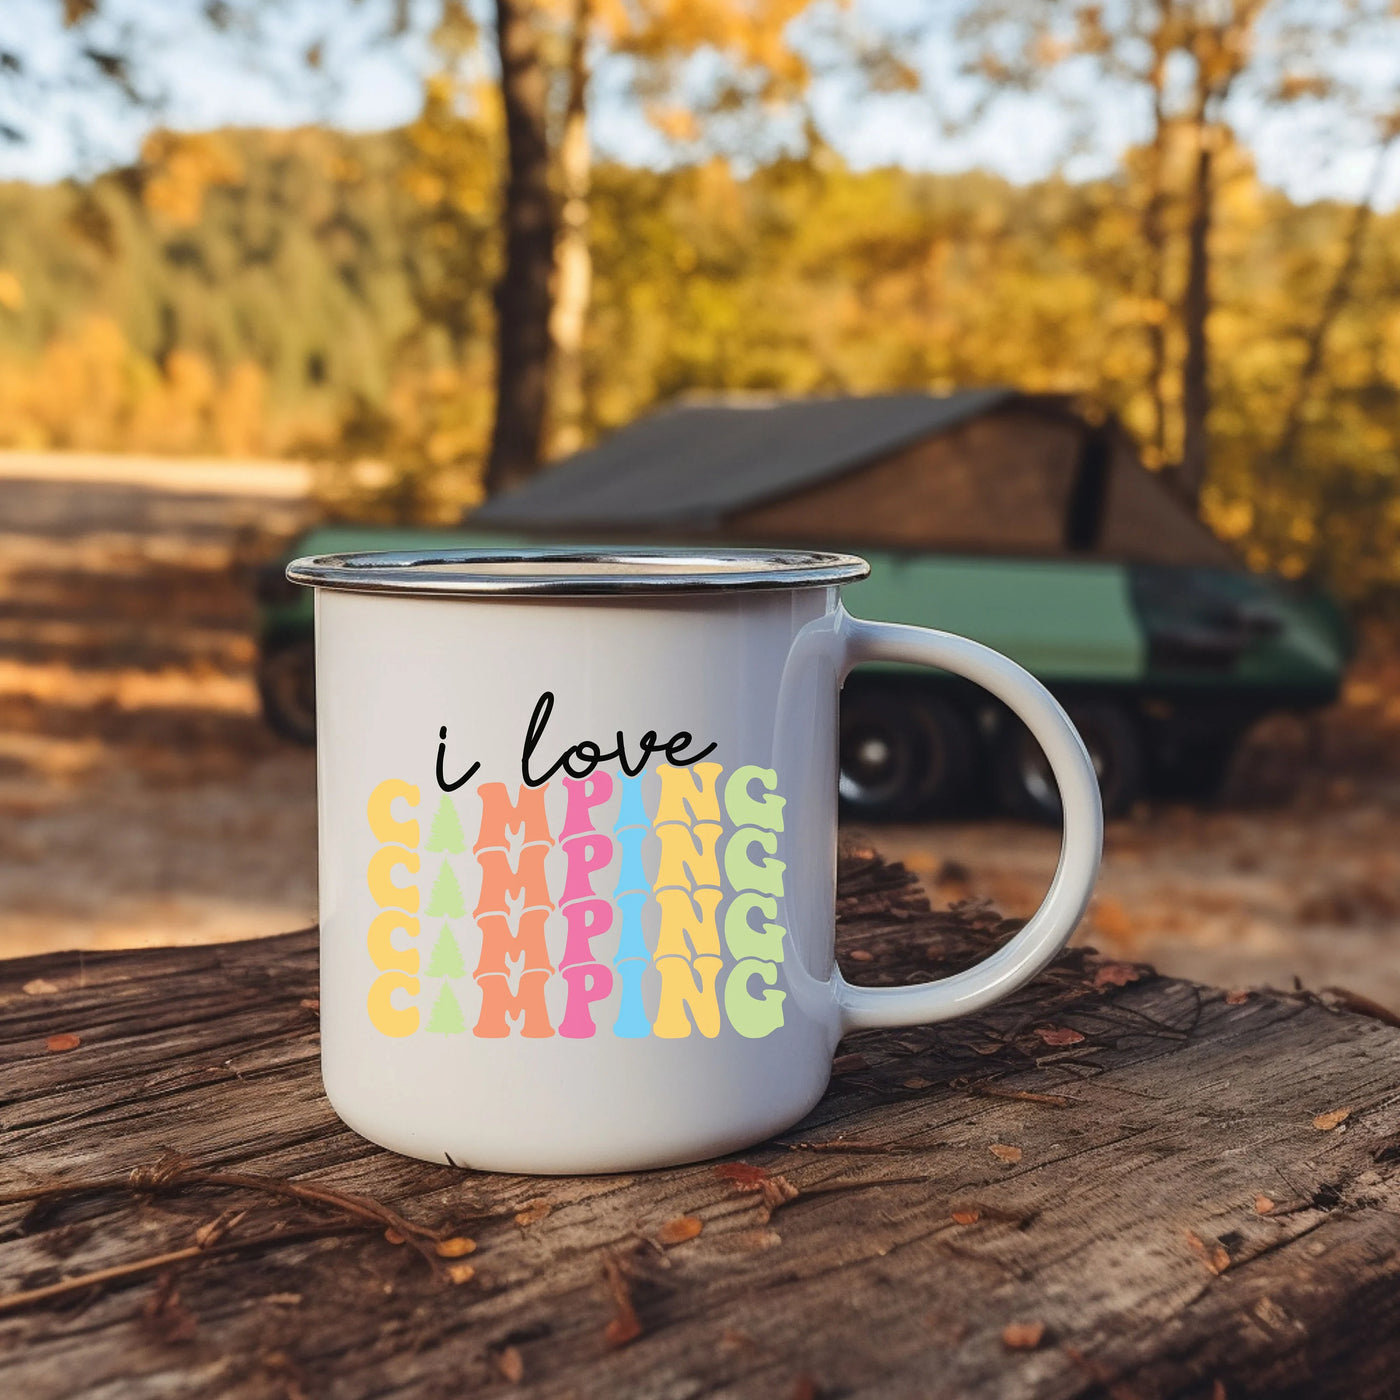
(1338, 294)
(573, 264)
(1155, 237)
(1195, 314)
(523, 293)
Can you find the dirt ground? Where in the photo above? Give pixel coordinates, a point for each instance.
(142, 800)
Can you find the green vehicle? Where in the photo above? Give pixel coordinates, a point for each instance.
(1008, 518)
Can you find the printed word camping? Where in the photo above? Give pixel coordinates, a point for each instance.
(625, 921)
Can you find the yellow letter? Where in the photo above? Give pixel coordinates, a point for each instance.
(681, 989)
(685, 918)
(747, 810)
(381, 817)
(753, 1016)
(743, 871)
(383, 1013)
(386, 893)
(679, 790)
(682, 852)
(381, 944)
(744, 940)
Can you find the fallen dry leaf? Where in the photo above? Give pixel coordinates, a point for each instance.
(282, 1300)
(849, 1064)
(861, 955)
(1236, 997)
(393, 1236)
(1327, 1121)
(533, 1211)
(1116, 974)
(1262, 1205)
(1214, 1256)
(918, 1082)
(511, 1364)
(679, 1230)
(625, 1326)
(744, 1176)
(970, 1216)
(1005, 1152)
(39, 987)
(310, 1004)
(455, 1247)
(1022, 1336)
(65, 1041)
(461, 1273)
(1059, 1035)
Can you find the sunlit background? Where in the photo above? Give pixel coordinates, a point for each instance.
(249, 255)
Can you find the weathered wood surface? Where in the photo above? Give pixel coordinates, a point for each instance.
(1130, 1227)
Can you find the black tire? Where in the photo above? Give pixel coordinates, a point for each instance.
(1197, 773)
(902, 755)
(287, 688)
(1026, 788)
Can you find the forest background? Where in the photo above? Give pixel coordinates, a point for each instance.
(436, 309)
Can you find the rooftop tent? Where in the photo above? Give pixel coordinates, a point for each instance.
(985, 471)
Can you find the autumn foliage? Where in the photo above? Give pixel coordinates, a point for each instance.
(249, 292)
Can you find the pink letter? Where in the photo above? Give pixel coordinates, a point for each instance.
(587, 855)
(587, 919)
(584, 794)
(588, 982)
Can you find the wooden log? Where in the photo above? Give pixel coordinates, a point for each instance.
(1114, 1184)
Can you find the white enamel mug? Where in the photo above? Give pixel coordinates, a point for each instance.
(578, 848)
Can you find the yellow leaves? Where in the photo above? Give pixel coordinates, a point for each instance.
(11, 290)
(180, 167)
(64, 1041)
(1325, 1122)
(1004, 1152)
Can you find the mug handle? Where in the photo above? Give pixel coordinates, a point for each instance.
(1050, 927)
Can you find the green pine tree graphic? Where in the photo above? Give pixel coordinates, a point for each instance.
(446, 958)
(445, 902)
(447, 1014)
(446, 833)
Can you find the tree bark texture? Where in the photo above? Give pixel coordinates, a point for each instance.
(523, 294)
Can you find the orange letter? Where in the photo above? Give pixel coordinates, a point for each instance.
(499, 882)
(498, 812)
(498, 943)
(528, 1003)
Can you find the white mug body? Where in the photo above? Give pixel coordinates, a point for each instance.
(591, 1094)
